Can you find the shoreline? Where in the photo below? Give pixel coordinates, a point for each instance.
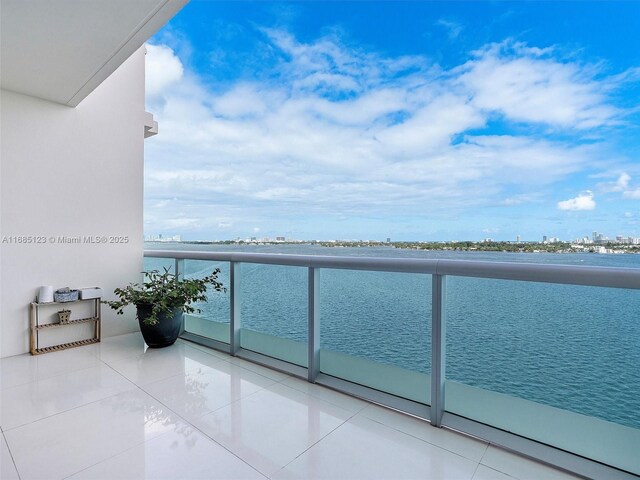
(464, 246)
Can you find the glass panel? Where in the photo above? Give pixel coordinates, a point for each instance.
(151, 263)
(273, 309)
(555, 363)
(213, 319)
(376, 330)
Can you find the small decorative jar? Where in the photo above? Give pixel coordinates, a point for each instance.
(64, 315)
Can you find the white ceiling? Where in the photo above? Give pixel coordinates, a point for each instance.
(61, 50)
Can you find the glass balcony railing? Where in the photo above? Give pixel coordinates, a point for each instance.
(359, 311)
(526, 358)
(542, 359)
(213, 319)
(273, 309)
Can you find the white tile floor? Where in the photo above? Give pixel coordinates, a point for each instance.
(116, 411)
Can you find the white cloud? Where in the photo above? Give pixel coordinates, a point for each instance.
(633, 194)
(328, 67)
(521, 199)
(407, 139)
(621, 185)
(162, 69)
(243, 100)
(453, 28)
(432, 125)
(528, 85)
(584, 201)
(623, 182)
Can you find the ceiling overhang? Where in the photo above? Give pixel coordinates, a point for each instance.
(62, 50)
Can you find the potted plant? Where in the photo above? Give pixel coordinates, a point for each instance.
(161, 300)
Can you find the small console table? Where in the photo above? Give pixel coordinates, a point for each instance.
(36, 327)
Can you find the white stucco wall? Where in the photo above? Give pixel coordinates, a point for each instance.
(71, 172)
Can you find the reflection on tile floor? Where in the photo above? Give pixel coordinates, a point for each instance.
(118, 411)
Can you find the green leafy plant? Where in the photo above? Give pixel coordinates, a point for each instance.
(164, 292)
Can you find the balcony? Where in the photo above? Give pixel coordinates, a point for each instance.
(234, 400)
(114, 410)
(543, 390)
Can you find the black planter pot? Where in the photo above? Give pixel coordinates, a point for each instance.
(163, 333)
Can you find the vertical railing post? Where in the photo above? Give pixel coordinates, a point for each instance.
(234, 320)
(178, 270)
(438, 342)
(314, 324)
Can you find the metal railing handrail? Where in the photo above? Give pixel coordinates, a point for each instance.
(615, 277)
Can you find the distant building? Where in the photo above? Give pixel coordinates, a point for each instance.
(280, 239)
(599, 238)
(388, 239)
(162, 238)
(544, 239)
(518, 238)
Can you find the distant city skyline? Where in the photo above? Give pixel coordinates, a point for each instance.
(409, 120)
(594, 237)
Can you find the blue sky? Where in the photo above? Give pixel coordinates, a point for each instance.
(409, 120)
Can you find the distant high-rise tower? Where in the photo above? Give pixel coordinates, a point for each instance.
(544, 238)
(388, 239)
(518, 238)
